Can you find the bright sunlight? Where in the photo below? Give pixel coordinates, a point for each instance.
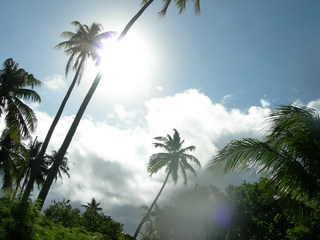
(126, 66)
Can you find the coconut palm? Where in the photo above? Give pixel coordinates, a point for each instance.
(10, 157)
(150, 221)
(289, 155)
(174, 158)
(181, 5)
(81, 45)
(30, 154)
(15, 84)
(92, 206)
(25, 165)
(63, 168)
(45, 189)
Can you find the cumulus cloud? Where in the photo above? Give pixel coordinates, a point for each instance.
(55, 82)
(109, 162)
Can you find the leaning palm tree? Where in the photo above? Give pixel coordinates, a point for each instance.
(174, 158)
(64, 147)
(15, 84)
(81, 45)
(92, 206)
(289, 155)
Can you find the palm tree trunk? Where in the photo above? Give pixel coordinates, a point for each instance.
(135, 18)
(39, 159)
(62, 151)
(150, 208)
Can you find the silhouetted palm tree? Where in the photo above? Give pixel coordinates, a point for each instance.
(289, 155)
(64, 147)
(15, 84)
(81, 45)
(173, 158)
(92, 206)
(10, 155)
(30, 154)
(63, 168)
(181, 5)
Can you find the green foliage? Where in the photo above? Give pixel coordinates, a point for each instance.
(19, 222)
(51, 231)
(99, 222)
(251, 211)
(289, 155)
(23, 221)
(62, 213)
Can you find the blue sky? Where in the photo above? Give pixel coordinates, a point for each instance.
(214, 77)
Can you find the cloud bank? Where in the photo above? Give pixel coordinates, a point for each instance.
(108, 159)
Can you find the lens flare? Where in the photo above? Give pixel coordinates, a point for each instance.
(222, 214)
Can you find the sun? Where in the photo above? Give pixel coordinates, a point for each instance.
(126, 65)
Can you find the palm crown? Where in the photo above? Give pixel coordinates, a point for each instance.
(174, 158)
(82, 44)
(181, 5)
(92, 206)
(289, 154)
(15, 84)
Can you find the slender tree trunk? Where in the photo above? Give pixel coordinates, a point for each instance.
(39, 159)
(150, 208)
(135, 18)
(63, 149)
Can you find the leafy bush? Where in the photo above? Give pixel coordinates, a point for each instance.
(18, 221)
(62, 213)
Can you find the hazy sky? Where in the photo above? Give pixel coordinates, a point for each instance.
(213, 77)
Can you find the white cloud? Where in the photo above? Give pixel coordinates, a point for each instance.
(109, 163)
(55, 82)
(225, 99)
(264, 103)
(314, 104)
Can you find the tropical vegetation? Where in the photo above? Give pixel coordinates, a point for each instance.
(174, 158)
(283, 204)
(288, 156)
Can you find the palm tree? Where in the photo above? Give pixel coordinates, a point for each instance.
(150, 221)
(15, 82)
(81, 45)
(181, 4)
(26, 163)
(45, 189)
(63, 168)
(10, 157)
(92, 206)
(174, 158)
(30, 154)
(289, 155)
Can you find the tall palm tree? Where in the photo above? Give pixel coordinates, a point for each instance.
(174, 158)
(150, 221)
(15, 84)
(92, 206)
(45, 189)
(81, 45)
(289, 155)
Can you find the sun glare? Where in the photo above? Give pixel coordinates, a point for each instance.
(126, 66)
